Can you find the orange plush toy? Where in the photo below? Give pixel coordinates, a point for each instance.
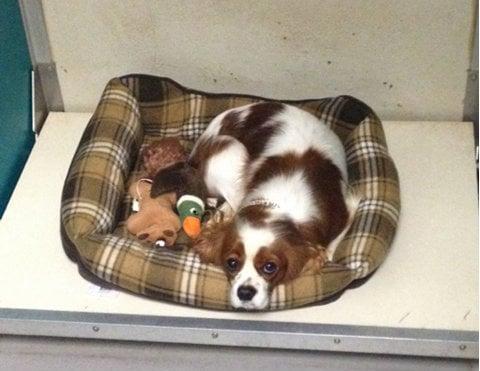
(155, 221)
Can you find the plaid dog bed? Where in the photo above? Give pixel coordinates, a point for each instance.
(136, 109)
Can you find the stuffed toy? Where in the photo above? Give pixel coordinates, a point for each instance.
(161, 154)
(190, 210)
(184, 181)
(155, 221)
(168, 182)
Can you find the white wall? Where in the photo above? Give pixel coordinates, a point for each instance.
(406, 58)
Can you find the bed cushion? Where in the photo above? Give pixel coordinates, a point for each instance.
(138, 109)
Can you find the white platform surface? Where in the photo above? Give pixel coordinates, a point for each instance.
(429, 280)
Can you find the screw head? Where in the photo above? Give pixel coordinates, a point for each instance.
(336, 341)
(463, 347)
(214, 334)
(96, 328)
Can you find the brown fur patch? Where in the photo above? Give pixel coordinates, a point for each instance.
(256, 129)
(325, 181)
(273, 166)
(255, 215)
(216, 240)
(287, 230)
(232, 249)
(290, 259)
(276, 256)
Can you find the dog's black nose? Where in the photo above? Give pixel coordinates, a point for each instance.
(246, 293)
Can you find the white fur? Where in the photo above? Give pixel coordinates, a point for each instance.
(224, 172)
(254, 238)
(302, 131)
(290, 193)
(214, 126)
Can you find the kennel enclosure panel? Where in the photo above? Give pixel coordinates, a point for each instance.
(431, 285)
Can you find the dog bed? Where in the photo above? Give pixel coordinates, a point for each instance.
(137, 109)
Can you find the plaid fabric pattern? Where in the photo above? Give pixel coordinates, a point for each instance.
(136, 109)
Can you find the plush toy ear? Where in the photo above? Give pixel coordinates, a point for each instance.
(140, 188)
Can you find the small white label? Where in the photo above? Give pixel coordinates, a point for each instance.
(135, 205)
(98, 291)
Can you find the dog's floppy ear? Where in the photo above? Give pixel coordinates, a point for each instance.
(317, 258)
(301, 259)
(211, 242)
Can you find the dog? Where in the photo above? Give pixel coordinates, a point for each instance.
(283, 173)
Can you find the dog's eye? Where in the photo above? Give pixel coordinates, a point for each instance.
(269, 268)
(232, 264)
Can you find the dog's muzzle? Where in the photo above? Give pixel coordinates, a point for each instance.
(246, 292)
(249, 295)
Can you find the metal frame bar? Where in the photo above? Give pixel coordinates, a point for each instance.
(47, 95)
(470, 106)
(242, 333)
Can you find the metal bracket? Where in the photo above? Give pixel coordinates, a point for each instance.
(47, 73)
(39, 106)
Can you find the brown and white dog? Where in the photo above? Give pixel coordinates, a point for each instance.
(283, 172)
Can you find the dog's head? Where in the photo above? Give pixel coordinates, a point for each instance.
(256, 257)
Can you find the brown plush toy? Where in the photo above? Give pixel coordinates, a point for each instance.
(161, 154)
(155, 221)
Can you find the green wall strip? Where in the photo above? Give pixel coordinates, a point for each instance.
(16, 137)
